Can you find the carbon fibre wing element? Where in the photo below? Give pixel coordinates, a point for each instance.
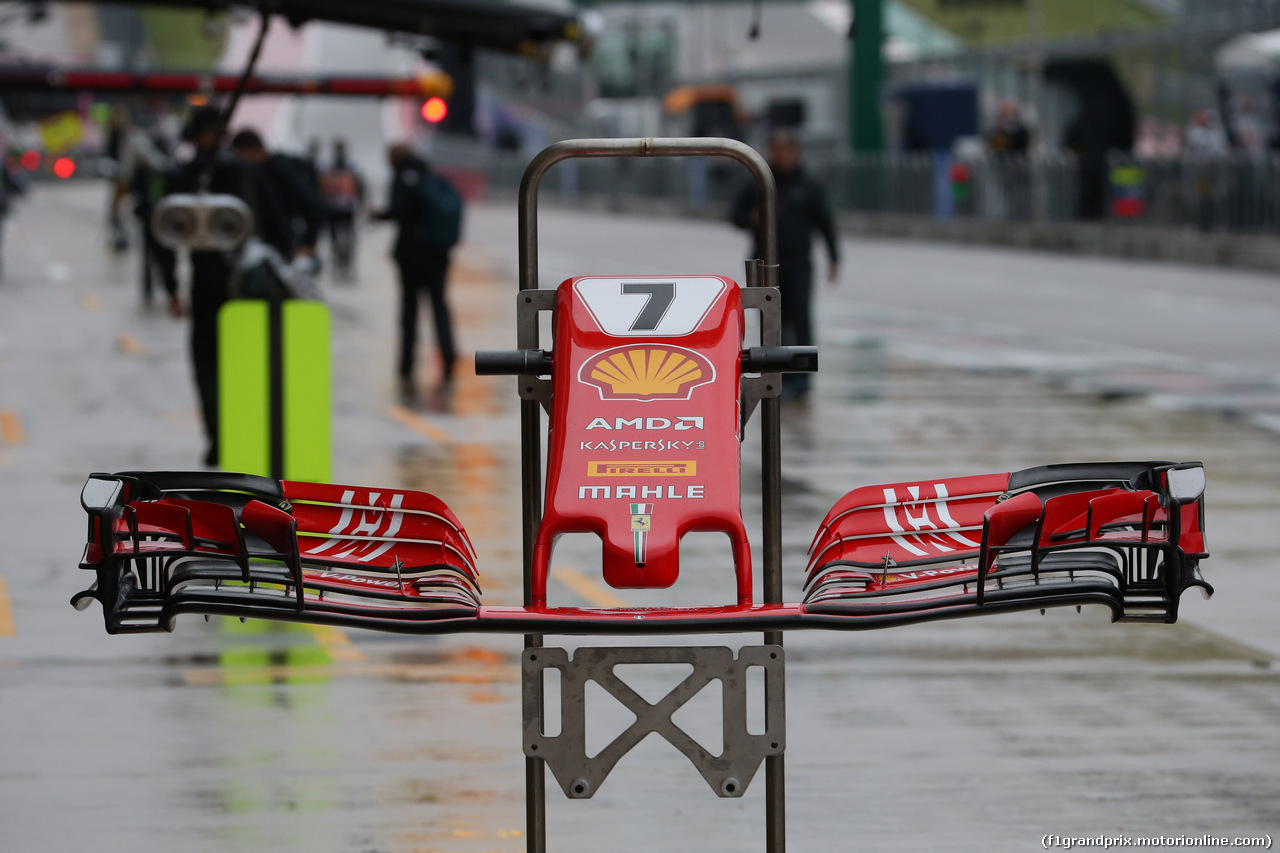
(1125, 535)
(169, 542)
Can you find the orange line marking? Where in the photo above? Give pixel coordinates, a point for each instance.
(404, 417)
(336, 642)
(6, 612)
(587, 588)
(129, 345)
(11, 431)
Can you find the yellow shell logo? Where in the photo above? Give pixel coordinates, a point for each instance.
(647, 373)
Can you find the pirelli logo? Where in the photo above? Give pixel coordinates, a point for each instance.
(642, 469)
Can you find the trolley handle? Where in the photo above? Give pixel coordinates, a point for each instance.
(766, 232)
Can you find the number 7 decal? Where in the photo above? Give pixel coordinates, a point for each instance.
(671, 307)
(661, 295)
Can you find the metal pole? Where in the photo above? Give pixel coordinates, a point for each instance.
(275, 385)
(775, 785)
(530, 418)
(46, 79)
(535, 777)
(771, 572)
(866, 75)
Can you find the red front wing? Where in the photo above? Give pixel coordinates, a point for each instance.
(170, 543)
(646, 402)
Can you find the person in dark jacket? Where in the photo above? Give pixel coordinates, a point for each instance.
(294, 183)
(802, 210)
(211, 271)
(147, 186)
(1009, 134)
(422, 268)
(343, 193)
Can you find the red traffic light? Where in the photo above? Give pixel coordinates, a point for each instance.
(435, 109)
(30, 159)
(64, 167)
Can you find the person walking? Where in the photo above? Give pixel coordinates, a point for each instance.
(1009, 134)
(1208, 148)
(427, 210)
(211, 271)
(1004, 177)
(293, 181)
(13, 183)
(343, 195)
(802, 211)
(117, 154)
(151, 165)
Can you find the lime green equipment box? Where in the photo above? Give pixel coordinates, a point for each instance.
(274, 405)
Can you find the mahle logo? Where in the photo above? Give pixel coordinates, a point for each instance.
(646, 373)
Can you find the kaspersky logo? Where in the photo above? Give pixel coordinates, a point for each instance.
(646, 372)
(641, 523)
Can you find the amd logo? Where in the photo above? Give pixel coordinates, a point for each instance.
(681, 423)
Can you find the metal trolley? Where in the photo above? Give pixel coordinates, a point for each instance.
(535, 392)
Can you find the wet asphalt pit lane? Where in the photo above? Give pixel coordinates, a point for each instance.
(976, 734)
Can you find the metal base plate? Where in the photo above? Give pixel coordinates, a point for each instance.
(728, 773)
